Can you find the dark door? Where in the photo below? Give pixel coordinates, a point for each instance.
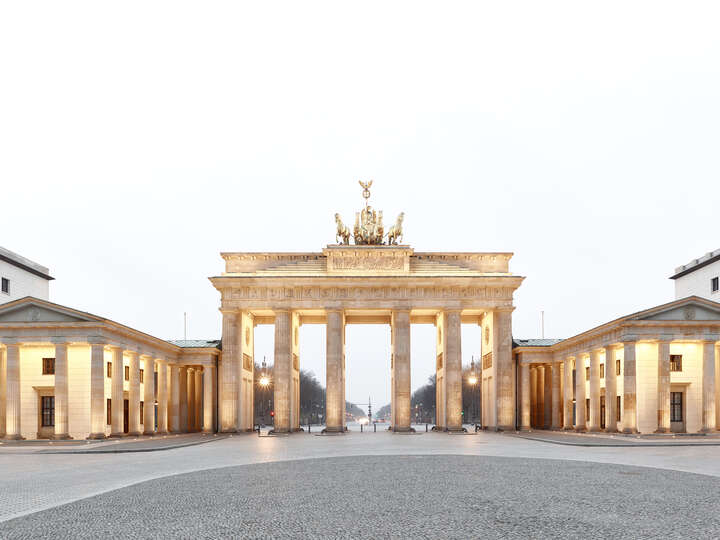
(602, 412)
(126, 415)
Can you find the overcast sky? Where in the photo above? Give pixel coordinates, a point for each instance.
(140, 139)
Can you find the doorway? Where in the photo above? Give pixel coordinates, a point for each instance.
(126, 415)
(677, 410)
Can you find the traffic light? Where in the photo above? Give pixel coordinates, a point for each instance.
(272, 413)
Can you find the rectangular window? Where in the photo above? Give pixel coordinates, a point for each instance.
(618, 408)
(676, 362)
(47, 404)
(127, 373)
(109, 412)
(587, 409)
(142, 409)
(715, 284)
(142, 375)
(48, 366)
(6, 285)
(602, 371)
(587, 373)
(617, 367)
(109, 370)
(676, 406)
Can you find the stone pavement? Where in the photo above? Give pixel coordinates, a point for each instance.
(31, 480)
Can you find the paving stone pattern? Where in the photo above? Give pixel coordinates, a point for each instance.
(411, 496)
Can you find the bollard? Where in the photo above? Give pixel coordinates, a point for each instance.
(374, 428)
(308, 428)
(361, 428)
(426, 428)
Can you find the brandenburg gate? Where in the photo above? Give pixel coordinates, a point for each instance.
(377, 279)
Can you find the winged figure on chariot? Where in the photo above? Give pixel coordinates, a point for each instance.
(369, 229)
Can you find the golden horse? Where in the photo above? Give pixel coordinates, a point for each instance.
(342, 231)
(395, 233)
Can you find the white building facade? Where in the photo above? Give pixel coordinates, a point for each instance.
(700, 277)
(21, 277)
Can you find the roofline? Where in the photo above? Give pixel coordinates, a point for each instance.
(698, 266)
(25, 267)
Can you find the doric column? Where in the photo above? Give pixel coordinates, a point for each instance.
(663, 387)
(502, 359)
(533, 396)
(174, 415)
(335, 357)
(208, 387)
(568, 397)
(708, 385)
(594, 420)
(524, 397)
(556, 398)
(97, 390)
(134, 395)
(547, 396)
(198, 399)
(190, 399)
(629, 416)
(540, 398)
(282, 370)
(229, 376)
(245, 371)
(295, 370)
(12, 391)
(610, 391)
(452, 354)
(62, 430)
(163, 397)
(400, 339)
(183, 399)
(580, 421)
(149, 395)
(440, 376)
(3, 385)
(117, 428)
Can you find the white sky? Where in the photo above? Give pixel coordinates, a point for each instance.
(140, 139)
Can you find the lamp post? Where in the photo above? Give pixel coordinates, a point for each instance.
(473, 380)
(264, 382)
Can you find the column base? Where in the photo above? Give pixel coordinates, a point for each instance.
(504, 428)
(569, 428)
(148, 433)
(580, 430)
(95, 436)
(117, 435)
(594, 430)
(525, 428)
(708, 430)
(61, 437)
(662, 430)
(158, 432)
(13, 438)
(630, 431)
(134, 434)
(611, 430)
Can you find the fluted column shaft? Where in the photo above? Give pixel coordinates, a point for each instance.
(540, 398)
(524, 396)
(282, 371)
(97, 391)
(134, 396)
(12, 392)
(117, 398)
(162, 398)
(198, 399)
(174, 399)
(568, 397)
(556, 397)
(208, 389)
(663, 387)
(580, 421)
(610, 391)
(502, 359)
(61, 392)
(335, 358)
(594, 420)
(3, 384)
(149, 395)
(183, 399)
(229, 375)
(191, 399)
(629, 417)
(708, 385)
(400, 330)
(547, 394)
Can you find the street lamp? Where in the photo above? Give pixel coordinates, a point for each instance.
(264, 382)
(473, 380)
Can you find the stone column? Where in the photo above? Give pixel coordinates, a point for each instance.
(452, 355)
(610, 391)
(594, 420)
(502, 358)
(3, 385)
(400, 330)
(190, 399)
(162, 397)
(547, 397)
(62, 430)
(97, 390)
(629, 416)
(229, 376)
(282, 370)
(174, 398)
(580, 422)
(708, 385)
(524, 397)
(208, 388)
(12, 392)
(533, 396)
(663, 387)
(540, 398)
(134, 396)
(556, 398)
(295, 370)
(568, 398)
(183, 398)
(334, 405)
(198, 399)
(149, 396)
(117, 396)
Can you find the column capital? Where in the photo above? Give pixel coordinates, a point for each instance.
(10, 341)
(96, 340)
(59, 341)
(504, 309)
(710, 338)
(628, 339)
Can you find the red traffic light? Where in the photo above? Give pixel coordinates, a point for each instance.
(272, 413)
